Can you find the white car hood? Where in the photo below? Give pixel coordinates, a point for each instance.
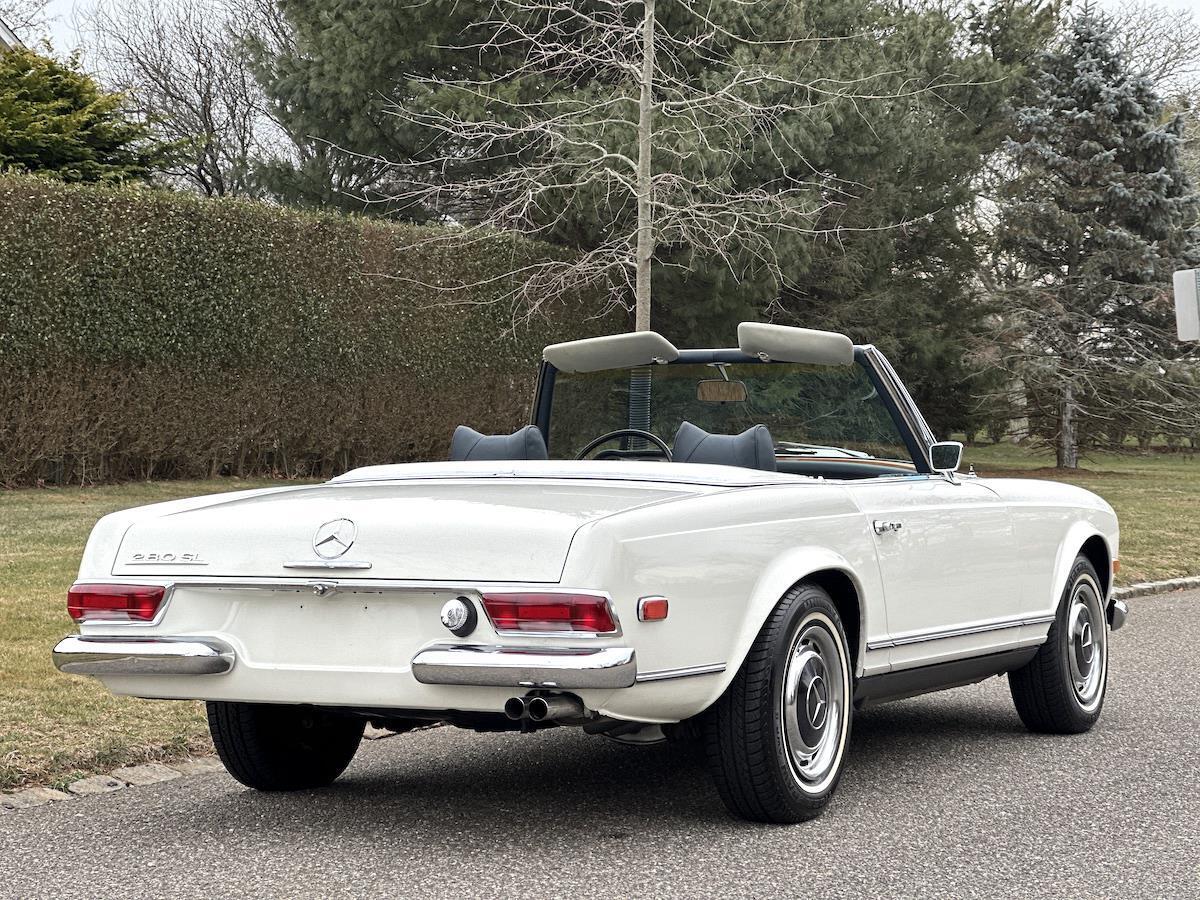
(436, 522)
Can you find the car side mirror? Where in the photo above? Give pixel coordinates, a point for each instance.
(946, 456)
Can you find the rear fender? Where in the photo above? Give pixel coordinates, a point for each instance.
(784, 572)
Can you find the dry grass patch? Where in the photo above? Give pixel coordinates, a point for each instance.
(55, 727)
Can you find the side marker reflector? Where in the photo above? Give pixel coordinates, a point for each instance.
(652, 609)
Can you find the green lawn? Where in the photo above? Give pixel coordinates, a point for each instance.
(55, 727)
(1157, 499)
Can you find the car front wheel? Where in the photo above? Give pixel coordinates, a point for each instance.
(1061, 691)
(777, 738)
(283, 748)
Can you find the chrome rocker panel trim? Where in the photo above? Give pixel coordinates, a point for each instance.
(78, 655)
(939, 634)
(545, 667)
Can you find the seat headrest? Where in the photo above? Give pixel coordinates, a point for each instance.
(469, 444)
(752, 449)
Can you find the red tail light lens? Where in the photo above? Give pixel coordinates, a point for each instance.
(550, 613)
(114, 602)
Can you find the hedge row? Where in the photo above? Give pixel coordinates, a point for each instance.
(149, 334)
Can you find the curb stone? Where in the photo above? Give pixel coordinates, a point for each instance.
(1146, 588)
(149, 773)
(371, 733)
(30, 797)
(117, 780)
(96, 784)
(199, 765)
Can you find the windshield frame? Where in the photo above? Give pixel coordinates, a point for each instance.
(913, 429)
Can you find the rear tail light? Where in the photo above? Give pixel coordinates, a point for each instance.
(114, 602)
(548, 613)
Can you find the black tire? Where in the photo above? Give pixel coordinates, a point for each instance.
(1045, 689)
(746, 731)
(283, 748)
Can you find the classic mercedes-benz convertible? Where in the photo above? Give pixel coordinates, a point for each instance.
(801, 548)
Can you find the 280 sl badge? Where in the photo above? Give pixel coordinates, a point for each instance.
(158, 559)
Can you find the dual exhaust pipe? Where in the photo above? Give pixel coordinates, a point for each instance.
(544, 709)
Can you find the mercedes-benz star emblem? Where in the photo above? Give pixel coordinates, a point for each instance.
(815, 703)
(334, 538)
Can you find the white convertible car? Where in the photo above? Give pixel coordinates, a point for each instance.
(801, 548)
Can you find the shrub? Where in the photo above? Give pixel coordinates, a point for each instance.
(149, 334)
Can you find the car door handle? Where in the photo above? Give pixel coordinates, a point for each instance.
(885, 527)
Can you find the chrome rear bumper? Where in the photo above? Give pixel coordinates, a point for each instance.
(1118, 612)
(79, 655)
(546, 667)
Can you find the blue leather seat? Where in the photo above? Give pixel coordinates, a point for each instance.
(469, 444)
(752, 449)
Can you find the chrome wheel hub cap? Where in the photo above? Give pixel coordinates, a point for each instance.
(1086, 644)
(814, 704)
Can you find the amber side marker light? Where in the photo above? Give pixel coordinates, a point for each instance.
(1116, 566)
(114, 602)
(652, 609)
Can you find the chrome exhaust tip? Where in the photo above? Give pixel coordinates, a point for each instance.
(560, 706)
(515, 708)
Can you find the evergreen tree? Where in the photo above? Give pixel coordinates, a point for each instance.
(910, 160)
(1096, 216)
(56, 120)
(332, 70)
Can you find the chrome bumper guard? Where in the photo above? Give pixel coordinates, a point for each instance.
(79, 655)
(530, 667)
(1118, 612)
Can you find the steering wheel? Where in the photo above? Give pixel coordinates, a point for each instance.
(626, 432)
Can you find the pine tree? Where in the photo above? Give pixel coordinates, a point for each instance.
(55, 120)
(1096, 216)
(913, 158)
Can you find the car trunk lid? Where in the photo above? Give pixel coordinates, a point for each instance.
(449, 529)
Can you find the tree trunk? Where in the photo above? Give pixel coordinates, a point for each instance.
(1068, 447)
(645, 234)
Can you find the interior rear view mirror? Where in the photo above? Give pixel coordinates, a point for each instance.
(718, 390)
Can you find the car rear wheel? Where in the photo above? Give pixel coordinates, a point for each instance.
(1061, 690)
(283, 748)
(777, 738)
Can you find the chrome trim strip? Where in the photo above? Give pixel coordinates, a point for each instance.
(685, 672)
(903, 398)
(79, 655)
(347, 584)
(327, 564)
(965, 631)
(528, 667)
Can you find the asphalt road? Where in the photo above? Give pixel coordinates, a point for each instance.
(944, 796)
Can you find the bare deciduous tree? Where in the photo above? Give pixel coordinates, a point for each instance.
(1163, 43)
(678, 133)
(181, 64)
(25, 17)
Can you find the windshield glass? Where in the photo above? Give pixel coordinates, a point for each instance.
(813, 412)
